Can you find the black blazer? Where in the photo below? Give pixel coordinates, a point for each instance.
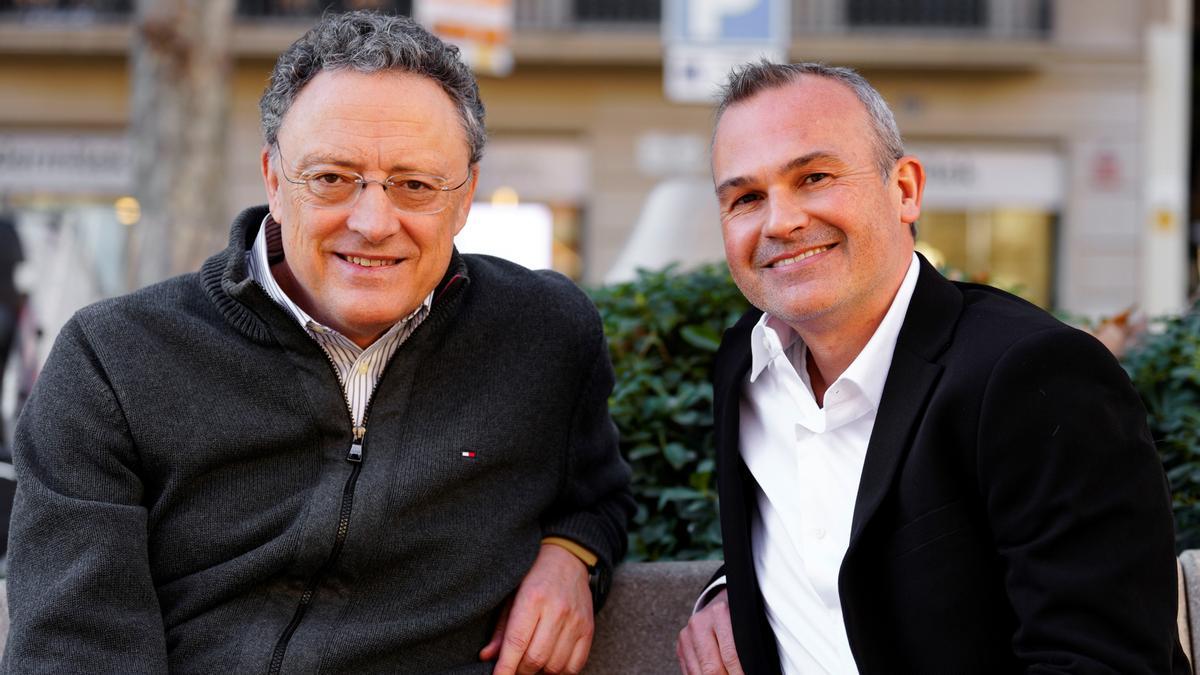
(1012, 513)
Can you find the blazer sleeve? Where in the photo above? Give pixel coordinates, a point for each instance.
(595, 502)
(1079, 507)
(80, 593)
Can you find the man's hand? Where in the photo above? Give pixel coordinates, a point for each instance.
(705, 645)
(547, 626)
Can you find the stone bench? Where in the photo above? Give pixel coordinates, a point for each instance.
(1189, 603)
(635, 632)
(650, 603)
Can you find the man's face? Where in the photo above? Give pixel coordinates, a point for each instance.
(814, 235)
(360, 268)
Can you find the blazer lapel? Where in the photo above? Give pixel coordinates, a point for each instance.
(927, 330)
(738, 491)
(734, 481)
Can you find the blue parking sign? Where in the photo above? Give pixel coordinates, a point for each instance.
(704, 39)
(725, 21)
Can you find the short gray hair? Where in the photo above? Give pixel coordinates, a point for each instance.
(369, 42)
(752, 78)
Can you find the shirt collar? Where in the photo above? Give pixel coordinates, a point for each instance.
(267, 250)
(771, 338)
(869, 369)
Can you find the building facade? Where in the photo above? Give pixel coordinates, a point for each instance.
(1030, 116)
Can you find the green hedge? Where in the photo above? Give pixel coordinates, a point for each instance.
(1165, 368)
(663, 331)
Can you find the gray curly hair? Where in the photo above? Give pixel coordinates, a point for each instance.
(369, 42)
(752, 78)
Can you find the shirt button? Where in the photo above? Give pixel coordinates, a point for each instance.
(819, 532)
(362, 368)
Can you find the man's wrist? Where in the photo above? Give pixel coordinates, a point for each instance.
(599, 576)
(588, 558)
(709, 593)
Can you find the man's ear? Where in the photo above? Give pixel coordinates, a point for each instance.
(271, 182)
(909, 179)
(468, 198)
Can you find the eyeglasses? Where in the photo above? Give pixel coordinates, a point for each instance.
(415, 193)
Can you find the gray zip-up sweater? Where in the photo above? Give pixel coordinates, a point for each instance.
(184, 487)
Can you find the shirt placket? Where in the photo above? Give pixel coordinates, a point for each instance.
(806, 529)
(345, 356)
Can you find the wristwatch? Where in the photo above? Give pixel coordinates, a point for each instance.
(599, 582)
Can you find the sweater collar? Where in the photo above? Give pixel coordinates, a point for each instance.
(226, 280)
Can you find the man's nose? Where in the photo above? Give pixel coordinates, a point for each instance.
(372, 215)
(786, 213)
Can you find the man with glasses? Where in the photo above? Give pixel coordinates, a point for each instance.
(341, 446)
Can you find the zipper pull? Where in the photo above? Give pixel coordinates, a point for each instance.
(356, 447)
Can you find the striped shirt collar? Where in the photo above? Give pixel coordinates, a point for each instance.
(358, 370)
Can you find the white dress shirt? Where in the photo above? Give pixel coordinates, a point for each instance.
(807, 461)
(357, 369)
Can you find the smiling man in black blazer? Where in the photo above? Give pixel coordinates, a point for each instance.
(916, 476)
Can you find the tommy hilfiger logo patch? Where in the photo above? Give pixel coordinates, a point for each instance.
(468, 454)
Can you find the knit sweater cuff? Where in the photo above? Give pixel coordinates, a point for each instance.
(585, 556)
(592, 531)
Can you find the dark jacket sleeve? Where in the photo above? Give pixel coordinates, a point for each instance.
(1079, 510)
(81, 598)
(595, 503)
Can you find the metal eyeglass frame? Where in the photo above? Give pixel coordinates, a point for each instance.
(364, 182)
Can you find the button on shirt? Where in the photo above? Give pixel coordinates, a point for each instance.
(358, 369)
(807, 461)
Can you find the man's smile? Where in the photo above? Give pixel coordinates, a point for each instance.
(364, 261)
(806, 253)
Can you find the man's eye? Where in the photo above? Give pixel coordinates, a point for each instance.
(743, 201)
(330, 178)
(414, 185)
(815, 178)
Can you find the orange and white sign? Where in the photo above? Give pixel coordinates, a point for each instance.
(482, 29)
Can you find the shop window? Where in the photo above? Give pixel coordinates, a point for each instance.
(1009, 248)
(536, 235)
(529, 202)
